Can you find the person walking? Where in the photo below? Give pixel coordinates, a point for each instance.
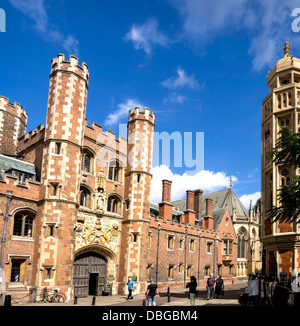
(210, 286)
(152, 293)
(192, 290)
(219, 288)
(130, 285)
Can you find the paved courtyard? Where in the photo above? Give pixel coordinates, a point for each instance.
(178, 298)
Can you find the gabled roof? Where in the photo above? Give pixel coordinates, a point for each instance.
(220, 199)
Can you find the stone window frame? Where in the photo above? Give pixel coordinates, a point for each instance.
(189, 270)
(113, 166)
(24, 213)
(227, 244)
(180, 268)
(209, 244)
(207, 270)
(171, 271)
(24, 261)
(88, 167)
(88, 199)
(192, 245)
(181, 244)
(114, 203)
(170, 242)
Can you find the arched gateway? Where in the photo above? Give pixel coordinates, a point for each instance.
(90, 271)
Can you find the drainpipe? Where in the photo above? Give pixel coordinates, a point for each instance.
(157, 252)
(3, 239)
(214, 262)
(185, 256)
(199, 257)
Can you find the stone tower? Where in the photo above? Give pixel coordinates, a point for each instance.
(281, 108)
(13, 122)
(135, 227)
(60, 174)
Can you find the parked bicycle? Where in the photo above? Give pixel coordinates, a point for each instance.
(46, 296)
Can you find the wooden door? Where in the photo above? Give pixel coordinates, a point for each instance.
(85, 265)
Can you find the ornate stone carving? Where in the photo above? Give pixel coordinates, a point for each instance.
(100, 192)
(286, 49)
(97, 230)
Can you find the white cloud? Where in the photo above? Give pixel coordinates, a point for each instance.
(35, 10)
(245, 199)
(266, 23)
(146, 36)
(274, 24)
(122, 111)
(181, 80)
(205, 19)
(206, 180)
(174, 98)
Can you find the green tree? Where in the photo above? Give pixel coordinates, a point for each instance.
(287, 153)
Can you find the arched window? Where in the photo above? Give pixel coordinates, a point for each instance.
(115, 170)
(279, 101)
(23, 224)
(87, 161)
(241, 245)
(114, 204)
(85, 197)
(285, 177)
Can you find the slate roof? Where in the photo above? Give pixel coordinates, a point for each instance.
(220, 198)
(7, 163)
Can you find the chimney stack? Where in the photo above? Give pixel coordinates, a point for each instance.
(165, 207)
(189, 200)
(198, 203)
(209, 221)
(189, 213)
(166, 191)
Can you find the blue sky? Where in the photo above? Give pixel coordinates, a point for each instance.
(201, 66)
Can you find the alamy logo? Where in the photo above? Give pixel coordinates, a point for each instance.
(176, 148)
(295, 23)
(2, 21)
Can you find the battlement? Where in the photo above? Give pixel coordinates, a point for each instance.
(175, 226)
(107, 137)
(14, 108)
(33, 132)
(61, 64)
(141, 115)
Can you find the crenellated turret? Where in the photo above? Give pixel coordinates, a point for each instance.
(61, 167)
(137, 196)
(13, 123)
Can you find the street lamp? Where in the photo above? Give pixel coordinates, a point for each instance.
(9, 194)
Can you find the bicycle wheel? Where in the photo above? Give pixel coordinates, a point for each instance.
(59, 298)
(62, 295)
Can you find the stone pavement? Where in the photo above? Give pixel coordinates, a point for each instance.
(178, 298)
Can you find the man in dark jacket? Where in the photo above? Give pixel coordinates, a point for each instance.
(210, 286)
(152, 293)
